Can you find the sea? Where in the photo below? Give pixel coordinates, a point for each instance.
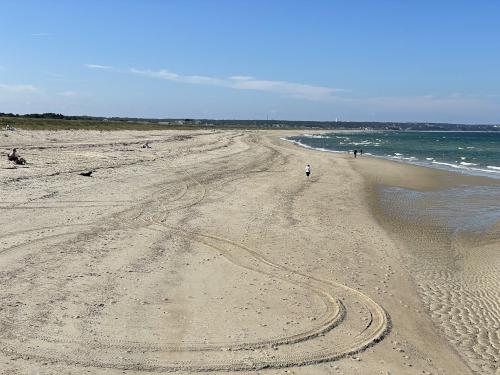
(461, 208)
(466, 152)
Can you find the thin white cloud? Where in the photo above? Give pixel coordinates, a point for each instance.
(18, 88)
(97, 66)
(68, 94)
(54, 75)
(298, 90)
(170, 76)
(429, 103)
(446, 103)
(241, 78)
(41, 34)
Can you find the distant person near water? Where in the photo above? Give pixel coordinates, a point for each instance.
(308, 170)
(355, 153)
(361, 152)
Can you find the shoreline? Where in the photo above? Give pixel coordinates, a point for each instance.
(465, 169)
(432, 249)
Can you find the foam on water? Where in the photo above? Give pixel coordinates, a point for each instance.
(298, 143)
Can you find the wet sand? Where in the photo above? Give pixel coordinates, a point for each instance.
(453, 258)
(211, 251)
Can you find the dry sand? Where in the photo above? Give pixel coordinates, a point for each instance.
(211, 251)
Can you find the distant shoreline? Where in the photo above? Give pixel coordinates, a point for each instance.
(463, 169)
(53, 121)
(449, 254)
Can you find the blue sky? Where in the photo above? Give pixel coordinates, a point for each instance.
(304, 60)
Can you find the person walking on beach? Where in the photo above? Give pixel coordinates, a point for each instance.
(355, 153)
(361, 152)
(308, 170)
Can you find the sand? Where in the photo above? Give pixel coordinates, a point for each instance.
(211, 251)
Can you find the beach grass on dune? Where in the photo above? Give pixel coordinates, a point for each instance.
(28, 123)
(63, 124)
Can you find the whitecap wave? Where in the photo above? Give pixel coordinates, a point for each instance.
(447, 164)
(467, 164)
(298, 143)
(319, 136)
(362, 143)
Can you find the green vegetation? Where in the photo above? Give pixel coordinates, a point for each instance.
(65, 124)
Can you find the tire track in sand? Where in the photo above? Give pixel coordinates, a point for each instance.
(321, 343)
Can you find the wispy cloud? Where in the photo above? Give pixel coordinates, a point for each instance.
(241, 78)
(54, 75)
(298, 90)
(68, 93)
(97, 66)
(341, 98)
(444, 103)
(18, 88)
(41, 34)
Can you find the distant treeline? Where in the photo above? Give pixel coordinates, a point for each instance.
(260, 124)
(50, 115)
(352, 125)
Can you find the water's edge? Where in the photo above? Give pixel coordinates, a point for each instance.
(462, 167)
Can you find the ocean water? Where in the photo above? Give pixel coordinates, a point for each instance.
(466, 152)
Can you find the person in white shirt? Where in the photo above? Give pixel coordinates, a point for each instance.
(308, 170)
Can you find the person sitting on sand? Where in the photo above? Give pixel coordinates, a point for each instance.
(13, 155)
(308, 170)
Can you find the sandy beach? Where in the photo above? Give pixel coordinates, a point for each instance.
(212, 252)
